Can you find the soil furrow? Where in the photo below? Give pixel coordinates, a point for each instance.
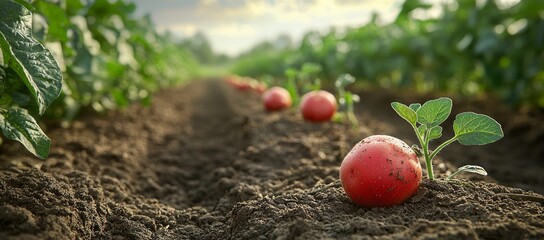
(206, 162)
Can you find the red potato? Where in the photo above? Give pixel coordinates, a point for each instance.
(380, 171)
(276, 98)
(242, 85)
(260, 88)
(238, 82)
(318, 106)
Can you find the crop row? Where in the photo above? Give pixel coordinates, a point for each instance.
(68, 55)
(382, 170)
(474, 47)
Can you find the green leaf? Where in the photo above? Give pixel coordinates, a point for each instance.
(476, 129)
(415, 106)
(2, 80)
(30, 59)
(291, 87)
(435, 132)
(57, 21)
(471, 169)
(434, 112)
(18, 125)
(343, 80)
(421, 130)
(26, 4)
(405, 112)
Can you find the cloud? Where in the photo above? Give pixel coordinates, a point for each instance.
(180, 29)
(238, 24)
(232, 30)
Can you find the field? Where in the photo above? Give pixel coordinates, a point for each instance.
(205, 161)
(114, 127)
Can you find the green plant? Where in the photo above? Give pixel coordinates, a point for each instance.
(474, 47)
(469, 128)
(307, 77)
(109, 57)
(291, 85)
(27, 71)
(346, 99)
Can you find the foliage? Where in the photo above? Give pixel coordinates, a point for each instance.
(27, 71)
(300, 81)
(109, 57)
(346, 98)
(473, 47)
(91, 53)
(200, 47)
(469, 128)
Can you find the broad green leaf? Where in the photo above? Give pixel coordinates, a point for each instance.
(421, 130)
(310, 68)
(18, 125)
(415, 106)
(30, 59)
(405, 112)
(57, 21)
(26, 4)
(291, 73)
(434, 112)
(2, 80)
(435, 132)
(476, 129)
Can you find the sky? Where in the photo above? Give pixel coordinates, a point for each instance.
(233, 26)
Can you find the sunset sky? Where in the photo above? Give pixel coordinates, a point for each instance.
(235, 25)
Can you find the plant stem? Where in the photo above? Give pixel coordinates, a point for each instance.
(425, 148)
(454, 174)
(428, 159)
(443, 145)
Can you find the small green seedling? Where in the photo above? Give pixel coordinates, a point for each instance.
(308, 77)
(302, 79)
(346, 99)
(291, 85)
(469, 128)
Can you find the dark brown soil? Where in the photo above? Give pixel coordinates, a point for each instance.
(206, 162)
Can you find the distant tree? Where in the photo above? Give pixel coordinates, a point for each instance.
(200, 47)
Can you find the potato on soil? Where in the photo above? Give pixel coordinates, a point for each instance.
(380, 171)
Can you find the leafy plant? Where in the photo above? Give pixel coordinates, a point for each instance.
(346, 98)
(28, 70)
(469, 128)
(308, 77)
(291, 85)
(109, 57)
(304, 79)
(474, 47)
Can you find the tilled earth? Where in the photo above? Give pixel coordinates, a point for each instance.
(207, 162)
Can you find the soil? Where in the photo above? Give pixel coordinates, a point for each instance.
(207, 162)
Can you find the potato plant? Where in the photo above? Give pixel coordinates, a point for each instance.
(469, 128)
(346, 99)
(30, 78)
